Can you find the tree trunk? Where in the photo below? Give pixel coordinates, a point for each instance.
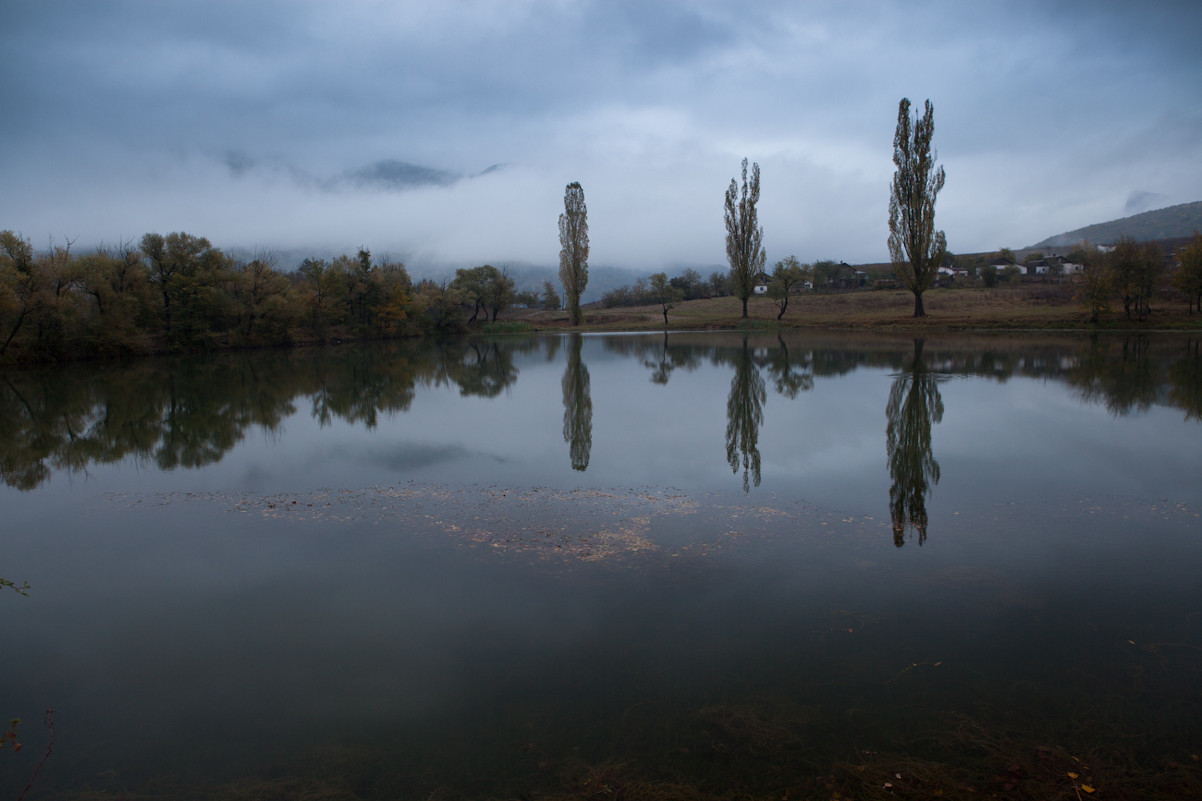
(744, 308)
(665, 316)
(918, 310)
(13, 333)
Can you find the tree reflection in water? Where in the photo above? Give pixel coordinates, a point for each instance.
(664, 359)
(790, 374)
(484, 368)
(184, 412)
(1186, 377)
(1123, 379)
(744, 416)
(577, 405)
(914, 403)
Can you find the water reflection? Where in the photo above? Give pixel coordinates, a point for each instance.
(481, 368)
(1186, 377)
(914, 404)
(356, 385)
(668, 358)
(169, 414)
(475, 641)
(188, 413)
(791, 373)
(577, 405)
(744, 416)
(1120, 377)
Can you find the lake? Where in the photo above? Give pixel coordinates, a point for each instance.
(679, 566)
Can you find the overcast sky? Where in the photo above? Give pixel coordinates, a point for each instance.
(245, 121)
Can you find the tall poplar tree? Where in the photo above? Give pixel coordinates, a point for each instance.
(915, 247)
(573, 253)
(744, 237)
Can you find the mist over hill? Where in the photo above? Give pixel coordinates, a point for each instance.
(526, 276)
(1167, 223)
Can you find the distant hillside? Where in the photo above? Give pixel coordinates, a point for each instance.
(1175, 221)
(397, 175)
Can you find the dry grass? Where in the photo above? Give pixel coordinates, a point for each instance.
(1030, 307)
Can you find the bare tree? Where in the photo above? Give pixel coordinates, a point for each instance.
(573, 253)
(744, 237)
(915, 247)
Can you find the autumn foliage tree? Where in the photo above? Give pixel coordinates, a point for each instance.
(1136, 270)
(1188, 278)
(786, 274)
(1096, 287)
(177, 292)
(18, 285)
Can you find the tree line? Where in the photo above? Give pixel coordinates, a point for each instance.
(177, 292)
(1131, 273)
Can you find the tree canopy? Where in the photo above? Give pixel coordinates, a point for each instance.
(744, 236)
(1188, 278)
(786, 274)
(915, 247)
(573, 253)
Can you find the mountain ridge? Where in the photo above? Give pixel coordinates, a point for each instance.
(1171, 222)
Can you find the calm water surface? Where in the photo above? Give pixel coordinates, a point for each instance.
(684, 566)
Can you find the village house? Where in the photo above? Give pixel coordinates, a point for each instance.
(1055, 265)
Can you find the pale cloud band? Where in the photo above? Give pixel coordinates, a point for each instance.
(283, 124)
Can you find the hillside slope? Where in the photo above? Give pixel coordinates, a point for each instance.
(1169, 223)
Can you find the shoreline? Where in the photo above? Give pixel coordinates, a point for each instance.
(1030, 309)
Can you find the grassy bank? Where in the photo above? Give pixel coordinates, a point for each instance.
(1033, 307)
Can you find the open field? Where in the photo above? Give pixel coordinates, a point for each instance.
(1030, 307)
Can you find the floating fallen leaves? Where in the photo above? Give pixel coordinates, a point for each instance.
(1082, 787)
(580, 524)
(911, 667)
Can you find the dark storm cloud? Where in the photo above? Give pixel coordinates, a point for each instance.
(341, 123)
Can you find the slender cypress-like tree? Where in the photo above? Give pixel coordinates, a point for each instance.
(573, 253)
(915, 247)
(744, 237)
